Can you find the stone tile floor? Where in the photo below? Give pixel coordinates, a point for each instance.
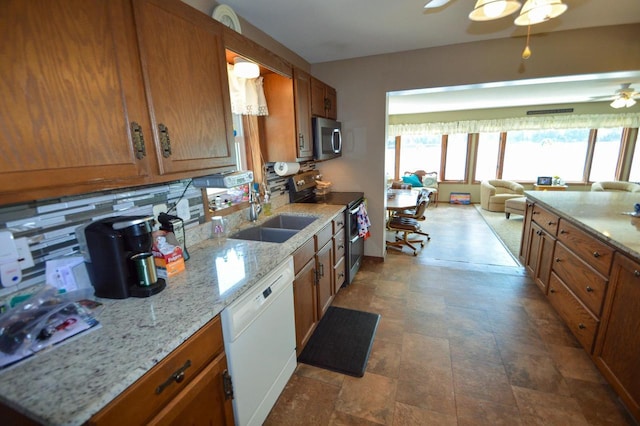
(465, 338)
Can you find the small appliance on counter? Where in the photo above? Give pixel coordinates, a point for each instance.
(122, 263)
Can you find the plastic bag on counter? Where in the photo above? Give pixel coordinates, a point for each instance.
(44, 319)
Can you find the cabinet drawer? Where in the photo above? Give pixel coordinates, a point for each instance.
(303, 255)
(577, 317)
(324, 236)
(583, 280)
(596, 253)
(338, 246)
(339, 272)
(545, 219)
(338, 222)
(146, 397)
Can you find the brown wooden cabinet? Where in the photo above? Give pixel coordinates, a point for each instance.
(285, 134)
(184, 67)
(324, 265)
(339, 246)
(323, 100)
(73, 97)
(90, 87)
(314, 288)
(190, 386)
(617, 348)
(541, 227)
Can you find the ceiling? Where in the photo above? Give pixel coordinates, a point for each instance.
(329, 30)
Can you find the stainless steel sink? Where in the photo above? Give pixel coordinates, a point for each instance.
(288, 221)
(262, 233)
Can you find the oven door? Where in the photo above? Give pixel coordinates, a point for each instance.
(355, 248)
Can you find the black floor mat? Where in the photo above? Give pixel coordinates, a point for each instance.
(342, 341)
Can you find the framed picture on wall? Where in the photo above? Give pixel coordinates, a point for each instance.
(544, 180)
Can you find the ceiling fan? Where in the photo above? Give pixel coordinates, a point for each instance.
(625, 96)
(532, 12)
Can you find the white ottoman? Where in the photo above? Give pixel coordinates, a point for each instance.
(515, 205)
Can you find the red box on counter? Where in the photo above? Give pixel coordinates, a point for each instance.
(167, 254)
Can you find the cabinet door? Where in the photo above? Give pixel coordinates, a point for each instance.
(302, 91)
(331, 100)
(526, 234)
(305, 304)
(187, 89)
(534, 249)
(201, 402)
(324, 263)
(545, 259)
(618, 347)
(317, 98)
(71, 91)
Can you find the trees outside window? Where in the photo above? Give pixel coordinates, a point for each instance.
(487, 156)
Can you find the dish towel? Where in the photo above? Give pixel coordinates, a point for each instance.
(363, 222)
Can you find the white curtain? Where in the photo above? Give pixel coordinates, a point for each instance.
(588, 121)
(247, 94)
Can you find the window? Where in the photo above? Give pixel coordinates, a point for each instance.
(420, 153)
(634, 176)
(487, 156)
(456, 157)
(550, 152)
(605, 155)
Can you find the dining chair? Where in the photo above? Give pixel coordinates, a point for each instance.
(408, 224)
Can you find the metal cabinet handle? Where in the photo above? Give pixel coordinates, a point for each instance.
(535, 212)
(558, 260)
(165, 141)
(551, 223)
(552, 290)
(227, 385)
(321, 270)
(138, 140)
(581, 326)
(301, 140)
(341, 246)
(177, 376)
(636, 273)
(562, 231)
(589, 289)
(596, 254)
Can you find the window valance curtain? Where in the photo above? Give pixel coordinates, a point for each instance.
(588, 121)
(247, 94)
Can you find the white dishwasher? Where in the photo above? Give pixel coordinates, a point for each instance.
(260, 343)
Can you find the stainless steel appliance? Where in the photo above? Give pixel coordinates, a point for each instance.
(260, 343)
(121, 263)
(302, 190)
(327, 139)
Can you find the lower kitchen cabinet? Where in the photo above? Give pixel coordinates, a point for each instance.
(305, 297)
(314, 287)
(339, 246)
(190, 386)
(617, 349)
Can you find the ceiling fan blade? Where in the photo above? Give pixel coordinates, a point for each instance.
(432, 4)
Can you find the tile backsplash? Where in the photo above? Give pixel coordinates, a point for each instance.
(49, 225)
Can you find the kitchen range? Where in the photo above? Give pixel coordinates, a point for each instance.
(302, 189)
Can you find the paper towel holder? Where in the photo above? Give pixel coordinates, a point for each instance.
(282, 168)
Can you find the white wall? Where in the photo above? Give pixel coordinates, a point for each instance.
(362, 85)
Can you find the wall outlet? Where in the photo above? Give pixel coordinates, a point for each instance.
(182, 209)
(25, 259)
(157, 209)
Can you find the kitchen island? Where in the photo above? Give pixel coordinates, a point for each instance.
(583, 250)
(70, 383)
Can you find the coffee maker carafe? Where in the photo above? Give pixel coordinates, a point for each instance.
(121, 263)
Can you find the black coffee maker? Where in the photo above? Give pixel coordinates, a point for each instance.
(122, 264)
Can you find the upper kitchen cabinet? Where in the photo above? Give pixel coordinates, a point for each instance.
(286, 131)
(323, 100)
(184, 68)
(73, 112)
(109, 93)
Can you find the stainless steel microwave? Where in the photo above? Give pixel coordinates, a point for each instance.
(327, 139)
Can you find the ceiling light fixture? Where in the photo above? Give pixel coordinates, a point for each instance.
(623, 101)
(245, 69)
(537, 11)
(486, 10)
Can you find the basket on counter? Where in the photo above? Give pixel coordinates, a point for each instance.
(322, 187)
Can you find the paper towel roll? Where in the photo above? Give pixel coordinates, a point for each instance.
(285, 169)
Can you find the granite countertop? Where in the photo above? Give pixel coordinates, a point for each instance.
(68, 384)
(600, 213)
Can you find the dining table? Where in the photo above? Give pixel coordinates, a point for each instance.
(399, 200)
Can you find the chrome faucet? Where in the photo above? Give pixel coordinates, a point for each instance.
(254, 205)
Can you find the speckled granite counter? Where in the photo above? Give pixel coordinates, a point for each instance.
(70, 383)
(599, 213)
